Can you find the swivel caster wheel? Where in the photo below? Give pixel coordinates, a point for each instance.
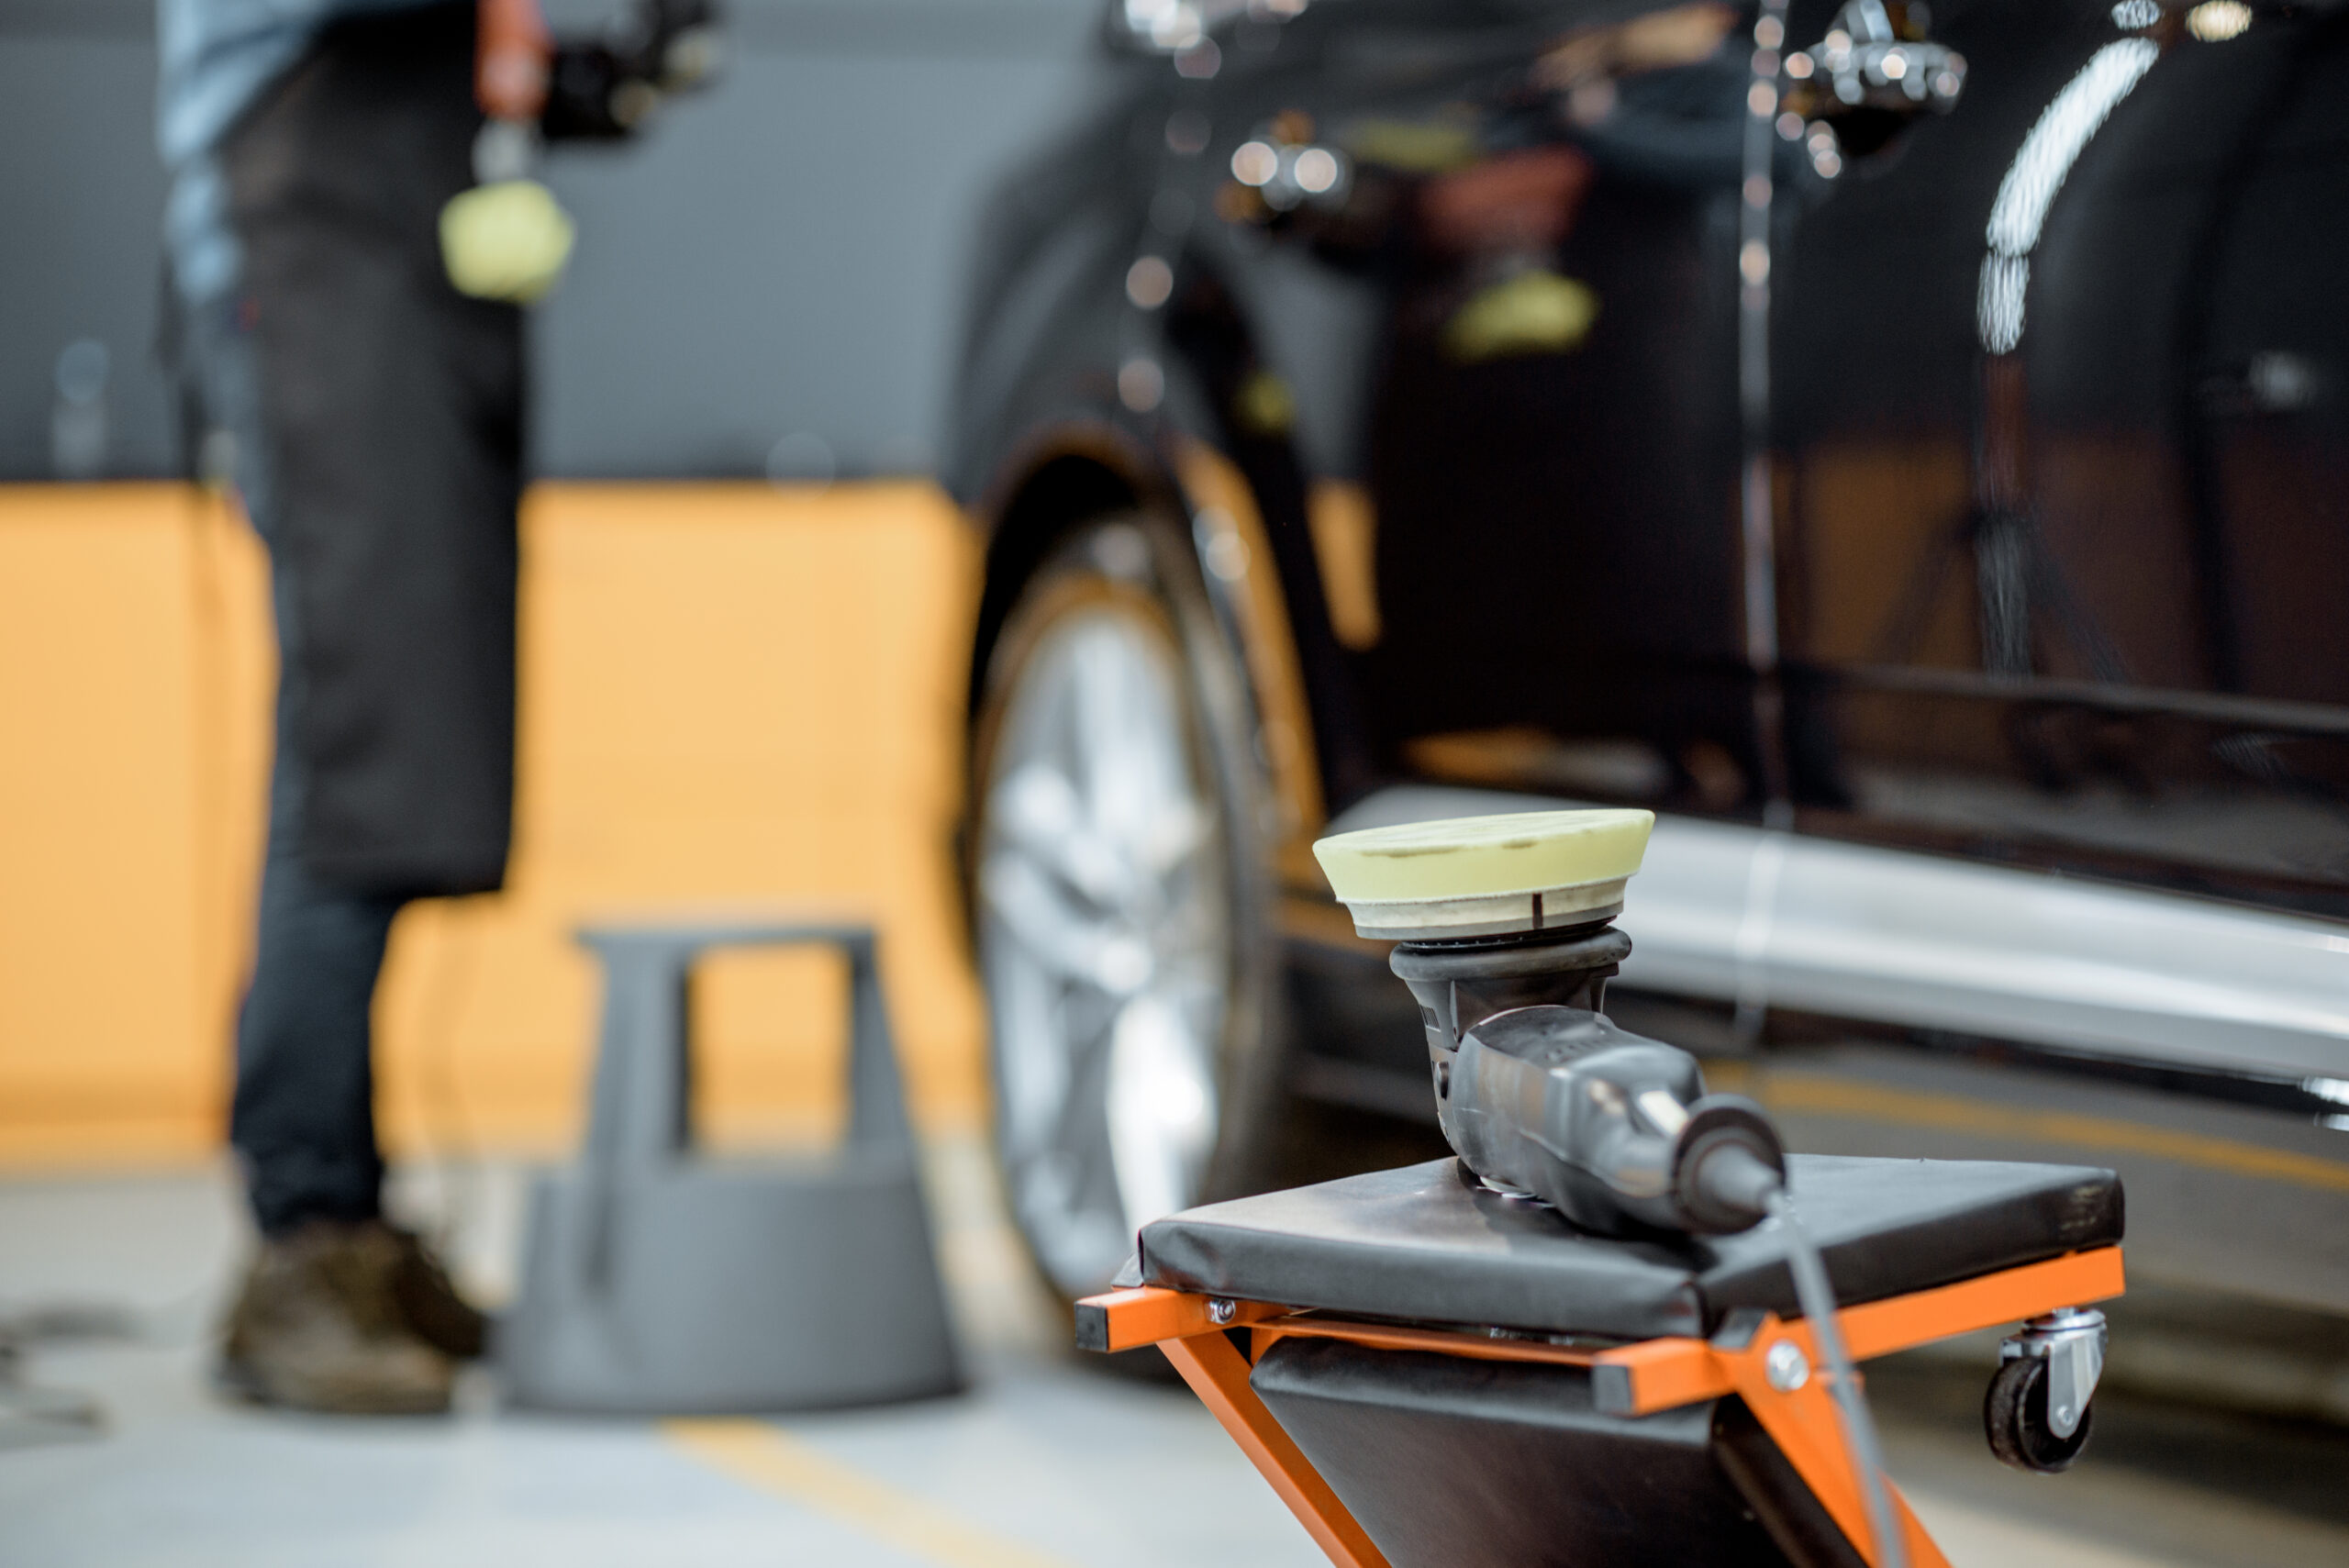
(2015, 1418)
(2039, 1410)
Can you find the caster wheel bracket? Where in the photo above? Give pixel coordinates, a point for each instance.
(2071, 1341)
(2040, 1405)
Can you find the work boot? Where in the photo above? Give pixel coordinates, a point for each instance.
(429, 1303)
(319, 1326)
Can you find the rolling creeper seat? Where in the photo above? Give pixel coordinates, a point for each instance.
(1606, 1333)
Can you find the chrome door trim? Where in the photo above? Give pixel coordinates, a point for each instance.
(1759, 917)
(1911, 938)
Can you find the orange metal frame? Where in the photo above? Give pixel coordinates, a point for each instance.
(1635, 1379)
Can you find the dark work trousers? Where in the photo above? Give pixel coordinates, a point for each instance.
(375, 418)
(303, 1122)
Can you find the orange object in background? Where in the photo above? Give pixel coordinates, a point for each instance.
(135, 662)
(730, 694)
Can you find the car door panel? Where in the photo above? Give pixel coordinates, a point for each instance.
(1524, 374)
(2038, 526)
(2059, 862)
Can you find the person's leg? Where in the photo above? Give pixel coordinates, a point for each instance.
(318, 1322)
(325, 363)
(303, 1121)
(339, 1311)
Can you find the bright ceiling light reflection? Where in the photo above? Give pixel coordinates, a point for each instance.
(1169, 24)
(2038, 171)
(2215, 21)
(1317, 169)
(1997, 305)
(2135, 16)
(2333, 1089)
(1149, 282)
(2056, 142)
(1254, 163)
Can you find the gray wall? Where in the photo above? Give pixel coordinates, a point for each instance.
(781, 256)
(80, 199)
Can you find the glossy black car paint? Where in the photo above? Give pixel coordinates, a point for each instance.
(2062, 594)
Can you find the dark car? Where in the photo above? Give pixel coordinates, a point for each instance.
(1909, 451)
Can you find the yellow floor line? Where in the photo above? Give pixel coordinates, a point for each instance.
(1803, 1091)
(773, 1461)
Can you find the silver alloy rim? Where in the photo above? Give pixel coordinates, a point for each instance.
(1104, 940)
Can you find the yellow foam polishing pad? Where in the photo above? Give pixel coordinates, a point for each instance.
(507, 239)
(1483, 857)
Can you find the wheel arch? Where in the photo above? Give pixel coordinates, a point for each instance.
(1081, 468)
(1087, 468)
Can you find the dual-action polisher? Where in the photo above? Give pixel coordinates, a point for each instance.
(1503, 931)
(1504, 934)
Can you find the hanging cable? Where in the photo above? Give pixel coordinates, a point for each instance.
(1817, 1298)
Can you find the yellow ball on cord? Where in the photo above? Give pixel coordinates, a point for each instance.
(504, 240)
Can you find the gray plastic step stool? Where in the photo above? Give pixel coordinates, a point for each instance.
(657, 1282)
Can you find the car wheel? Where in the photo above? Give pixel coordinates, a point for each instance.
(1120, 899)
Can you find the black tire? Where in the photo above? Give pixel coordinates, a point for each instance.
(2014, 1418)
(1121, 590)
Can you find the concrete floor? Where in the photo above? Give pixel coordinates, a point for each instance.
(1048, 1461)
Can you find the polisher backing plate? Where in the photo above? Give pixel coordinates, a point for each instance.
(1485, 875)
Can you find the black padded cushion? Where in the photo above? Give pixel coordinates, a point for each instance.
(1423, 1243)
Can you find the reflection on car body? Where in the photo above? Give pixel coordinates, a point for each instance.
(1908, 448)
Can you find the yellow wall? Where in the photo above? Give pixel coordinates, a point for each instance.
(730, 695)
(133, 647)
